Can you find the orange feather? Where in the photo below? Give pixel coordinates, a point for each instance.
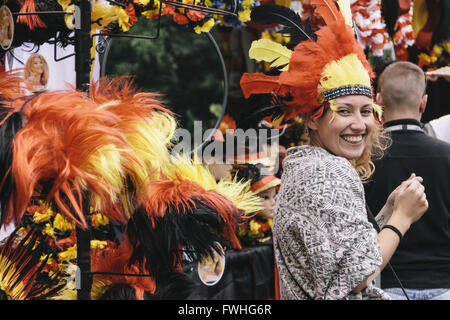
(328, 10)
(63, 131)
(163, 194)
(257, 83)
(32, 21)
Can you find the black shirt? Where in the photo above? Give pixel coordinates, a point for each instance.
(422, 259)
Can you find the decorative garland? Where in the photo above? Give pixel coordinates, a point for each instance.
(256, 230)
(370, 22)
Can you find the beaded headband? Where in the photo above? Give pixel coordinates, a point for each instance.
(345, 91)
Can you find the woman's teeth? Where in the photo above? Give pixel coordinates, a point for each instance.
(352, 139)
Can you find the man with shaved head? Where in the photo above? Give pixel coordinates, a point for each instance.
(422, 260)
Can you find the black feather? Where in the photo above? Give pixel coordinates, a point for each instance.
(176, 286)
(293, 27)
(192, 233)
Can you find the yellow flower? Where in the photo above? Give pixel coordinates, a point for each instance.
(124, 19)
(247, 4)
(254, 228)
(62, 224)
(99, 219)
(48, 230)
(446, 45)
(143, 2)
(205, 27)
(437, 50)
(69, 254)
(244, 15)
(98, 244)
(424, 57)
(270, 222)
(266, 35)
(242, 232)
(49, 261)
(41, 217)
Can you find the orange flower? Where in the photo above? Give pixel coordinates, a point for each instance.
(195, 15)
(180, 19)
(168, 10)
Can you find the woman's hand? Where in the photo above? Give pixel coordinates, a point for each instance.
(410, 203)
(386, 212)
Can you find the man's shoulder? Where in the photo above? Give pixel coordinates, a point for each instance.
(422, 143)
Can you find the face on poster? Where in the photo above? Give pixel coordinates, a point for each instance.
(36, 72)
(210, 269)
(6, 27)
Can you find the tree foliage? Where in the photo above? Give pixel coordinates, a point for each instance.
(180, 64)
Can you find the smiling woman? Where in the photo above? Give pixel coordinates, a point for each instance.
(325, 245)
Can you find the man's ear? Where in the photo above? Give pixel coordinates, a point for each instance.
(423, 104)
(379, 99)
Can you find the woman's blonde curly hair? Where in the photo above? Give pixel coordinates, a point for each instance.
(375, 149)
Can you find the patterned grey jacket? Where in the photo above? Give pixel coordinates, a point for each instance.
(324, 244)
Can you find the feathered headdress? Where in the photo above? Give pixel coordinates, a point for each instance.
(146, 125)
(238, 192)
(322, 66)
(179, 218)
(68, 149)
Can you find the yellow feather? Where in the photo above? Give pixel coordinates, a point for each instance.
(270, 51)
(239, 193)
(346, 71)
(344, 7)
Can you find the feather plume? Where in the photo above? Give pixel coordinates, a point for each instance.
(8, 130)
(185, 168)
(178, 218)
(11, 86)
(146, 125)
(346, 11)
(60, 153)
(293, 27)
(257, 83)
(33, 20)
(328, 10)
(239, 193)
(270, 51)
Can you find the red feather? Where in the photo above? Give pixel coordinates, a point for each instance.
(257, 83)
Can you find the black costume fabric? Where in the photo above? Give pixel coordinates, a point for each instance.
(422, 259)
(248, 275)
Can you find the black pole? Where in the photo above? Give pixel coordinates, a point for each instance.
(83, 44)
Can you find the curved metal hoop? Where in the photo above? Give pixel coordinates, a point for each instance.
(104, 58)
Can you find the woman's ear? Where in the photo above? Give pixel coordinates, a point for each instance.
(311, 123)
